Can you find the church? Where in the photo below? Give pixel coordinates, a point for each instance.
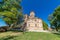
(32, 23)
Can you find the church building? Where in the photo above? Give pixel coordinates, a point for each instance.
(33, 23)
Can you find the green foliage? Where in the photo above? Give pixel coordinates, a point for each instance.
(45, 26)
(10, 11)
(55, 21)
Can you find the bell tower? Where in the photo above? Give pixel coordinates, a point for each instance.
(32, 15)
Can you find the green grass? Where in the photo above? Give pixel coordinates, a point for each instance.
(28, 36)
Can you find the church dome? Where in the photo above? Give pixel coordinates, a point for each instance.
(32, 13)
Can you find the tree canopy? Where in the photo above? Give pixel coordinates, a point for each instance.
(10, 11)
(45, 26)
(54, 18)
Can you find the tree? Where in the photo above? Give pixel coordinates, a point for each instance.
(54, 19)
(10, 11)
(45, 26)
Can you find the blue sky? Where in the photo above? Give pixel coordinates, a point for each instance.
(2, 23)
(42, 8)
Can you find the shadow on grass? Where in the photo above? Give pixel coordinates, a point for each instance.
(8, 38)
(58, 34)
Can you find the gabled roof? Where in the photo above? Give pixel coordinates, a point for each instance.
(2, 23)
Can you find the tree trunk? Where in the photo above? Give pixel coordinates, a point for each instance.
(56, 29)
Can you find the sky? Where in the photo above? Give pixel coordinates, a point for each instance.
(2, 23)
(42, 8)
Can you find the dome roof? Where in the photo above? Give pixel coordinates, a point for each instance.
(32, 13)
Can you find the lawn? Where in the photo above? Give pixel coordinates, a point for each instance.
(28, 36)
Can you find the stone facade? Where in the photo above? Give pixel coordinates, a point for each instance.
(33, 23)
